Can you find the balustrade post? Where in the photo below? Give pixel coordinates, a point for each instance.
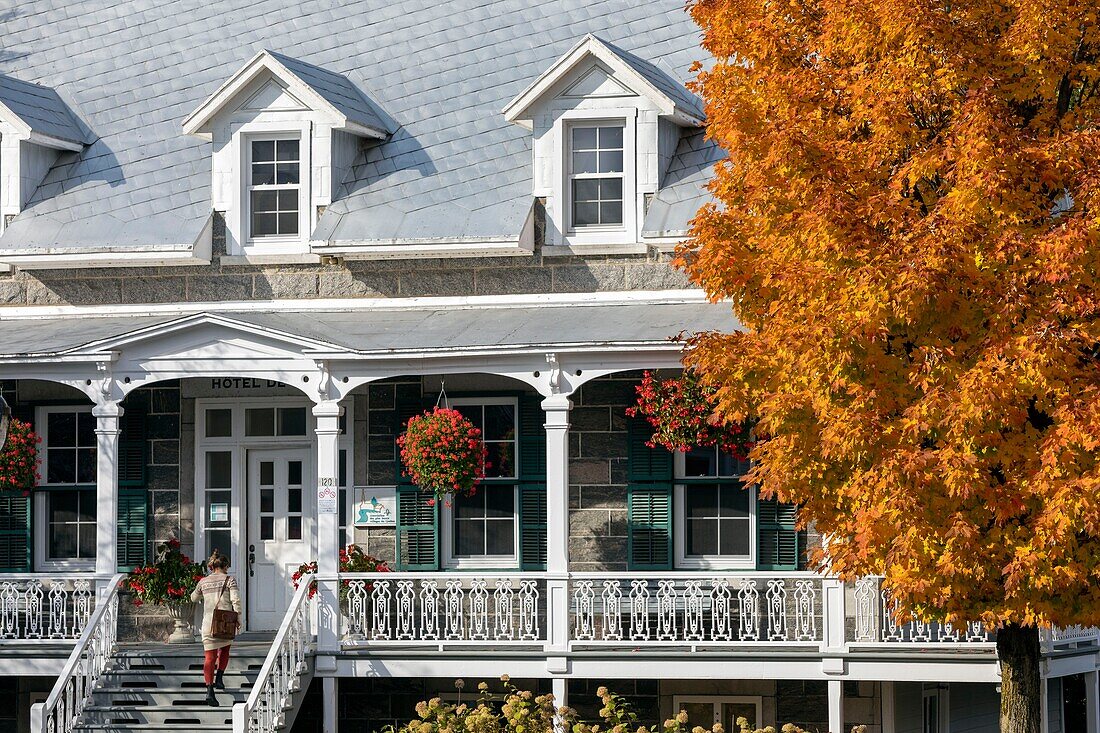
(329, 540)
(107, 430)
(833, 633)
(556, 408)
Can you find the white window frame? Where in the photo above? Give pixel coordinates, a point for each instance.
(40, 521)
(455, 562)
(679, 528)
(238, 221)
(251, 239)
(562, 211)
(717, 701)
(940, 694)
(573, 176)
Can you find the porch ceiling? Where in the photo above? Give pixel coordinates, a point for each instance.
(365, 331)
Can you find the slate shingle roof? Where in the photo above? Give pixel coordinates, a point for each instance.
(442, 71)
(41, 109)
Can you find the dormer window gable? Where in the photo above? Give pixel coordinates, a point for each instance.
(285, 134)
(35, 127)
(605, 125)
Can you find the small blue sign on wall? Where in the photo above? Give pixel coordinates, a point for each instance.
(375, 506)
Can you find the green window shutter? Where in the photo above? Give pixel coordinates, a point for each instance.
(648, 501)
(649, 526)
(131, 449)
(133, 528)
(532, 440)
(645, 465)
(532, 527)
(15, 532)
(417, 529)
(779, 544)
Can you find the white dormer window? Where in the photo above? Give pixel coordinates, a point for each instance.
(274, 188)
(605, 125)
(596, 185)
(285, 134)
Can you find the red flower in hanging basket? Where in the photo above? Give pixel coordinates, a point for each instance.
(683, 413)
(19, 458)
(443, 452)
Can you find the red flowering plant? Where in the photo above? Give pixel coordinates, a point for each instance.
(681, 411)
(443, 452)
(352, 560)
(19, 458)
(171, 579)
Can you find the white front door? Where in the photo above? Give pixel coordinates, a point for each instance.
(280, 530)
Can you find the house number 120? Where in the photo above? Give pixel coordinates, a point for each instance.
(327, 496)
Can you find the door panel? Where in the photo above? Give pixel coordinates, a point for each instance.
(280, 530)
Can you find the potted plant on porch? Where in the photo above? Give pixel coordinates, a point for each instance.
(169, 582)
(19, 458)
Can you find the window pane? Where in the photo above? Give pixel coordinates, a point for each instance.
(728, 465)
(469, 538)
(700, 462)
(85, 465)
(267, 501)
(473, 413)
(265, 201)
(584, 163)
(61, 429)
(733, 501)
(85, 429)
(467, 507)
(264, 225)
(294, 527)
(267, 474)
(611, 212)
(86, 540)
(259, 421)
(702, 537)
(500, 501)
(500, 422)
(267, 528)
(86, 505)
(586, 189)
(292, 421)
(611, 161)
(287, 173)
(263, 174)
(288, 200)
(586, 214)
(611, 189)
(501, 458)
(219, 470)
(734, 534)
(63, 541)
(500, 540)
(294, 473)
(700, 501)
(584, 138)
(219, 423)
(64, 506)
(288, 224)
(294, 501)
(611, 137)
(61, 466)
(288, 150)
(263, 150)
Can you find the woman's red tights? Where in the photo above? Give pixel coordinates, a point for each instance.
(212, 658)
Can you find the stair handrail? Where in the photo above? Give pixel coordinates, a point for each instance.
(282, 668)
(88, 661)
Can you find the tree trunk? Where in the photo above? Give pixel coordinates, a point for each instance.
(1021, 692)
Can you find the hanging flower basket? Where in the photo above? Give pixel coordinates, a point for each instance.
(682, 413)
(443, 452)
(19, 458)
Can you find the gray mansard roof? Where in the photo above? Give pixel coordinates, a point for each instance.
(453, 167)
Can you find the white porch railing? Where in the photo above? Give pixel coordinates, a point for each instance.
(282, 670)
(89, 659)
(677, 609)
(45, 607)
(1055, 637)
(871, 621)
(436, 608)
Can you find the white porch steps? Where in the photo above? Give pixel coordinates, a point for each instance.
(160, 688)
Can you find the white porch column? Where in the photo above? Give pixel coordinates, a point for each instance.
(889, 724)
(1092, 701)
(330, 705)
(560, 688)
(328, 527)
(107, 430)
(556, 408)
(836, 706)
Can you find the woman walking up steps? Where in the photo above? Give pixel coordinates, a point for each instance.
(221, 607)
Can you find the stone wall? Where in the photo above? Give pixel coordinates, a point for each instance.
(221, 280)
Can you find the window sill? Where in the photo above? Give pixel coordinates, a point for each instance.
(290, 258)
(708, 565)
(568, 250)
(503, 564)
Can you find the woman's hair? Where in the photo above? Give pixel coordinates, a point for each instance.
(217, 561)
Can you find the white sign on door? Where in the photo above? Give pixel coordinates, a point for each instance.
(375, 506)
(328, 496)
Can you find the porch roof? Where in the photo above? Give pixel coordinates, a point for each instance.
(380, 329)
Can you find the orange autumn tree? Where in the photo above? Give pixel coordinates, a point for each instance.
(907, 227)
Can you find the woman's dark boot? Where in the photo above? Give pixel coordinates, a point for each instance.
(210, 699)
(219, 683)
